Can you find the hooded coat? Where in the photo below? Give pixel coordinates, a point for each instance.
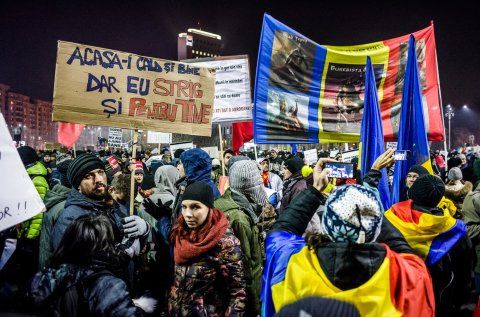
(55, 203)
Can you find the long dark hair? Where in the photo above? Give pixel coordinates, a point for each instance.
(86, 237)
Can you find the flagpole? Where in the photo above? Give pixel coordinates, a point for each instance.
(221, 147)
(74, 151)
(132, 178)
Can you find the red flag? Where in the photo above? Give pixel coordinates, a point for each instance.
(68, 133)
(241, 132)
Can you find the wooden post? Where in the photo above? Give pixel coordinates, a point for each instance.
(221, 148)
(132, 180)
(74, 151)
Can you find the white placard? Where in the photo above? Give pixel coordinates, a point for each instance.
(311, 156)
(392, 145)
(232, 90)
(159, 137)
(185, 146)
(19, 200)
(115, 137)
(348, 156)
(212, 151)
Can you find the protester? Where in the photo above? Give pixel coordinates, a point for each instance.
(441, 241)
(345, 262)
(471, 217)
(209, 274)
(456, 189)
(293, 180)
(275, 161)
(55, 203)
(440, 161)
(271, 180)
(87, 259)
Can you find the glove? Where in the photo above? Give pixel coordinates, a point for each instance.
(134, 226)
(130, 246)
(158, 210)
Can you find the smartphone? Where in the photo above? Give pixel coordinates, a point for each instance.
(401, 155)
(340, 169)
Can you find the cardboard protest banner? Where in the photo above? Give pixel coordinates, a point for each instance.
(232, 88)
(115, 137)
(104, 87)
(311, 93)
(311, 156)
(159, 137)
(19, 200)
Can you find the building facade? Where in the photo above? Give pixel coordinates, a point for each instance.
(198, 44)
(27, 119)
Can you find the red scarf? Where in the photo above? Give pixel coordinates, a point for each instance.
(190, 244)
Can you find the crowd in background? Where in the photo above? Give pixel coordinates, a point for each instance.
(277, 237)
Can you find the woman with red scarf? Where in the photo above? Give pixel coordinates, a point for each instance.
(209, 276)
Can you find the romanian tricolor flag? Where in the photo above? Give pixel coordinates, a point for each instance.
(400, 287)
(412, 134)
(431, 237)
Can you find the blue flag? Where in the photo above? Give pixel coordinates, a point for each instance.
(294, 148)
(372, 144)
(412, 135)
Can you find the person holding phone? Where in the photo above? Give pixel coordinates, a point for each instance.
(293, 180)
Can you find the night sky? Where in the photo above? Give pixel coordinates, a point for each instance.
(29, 32)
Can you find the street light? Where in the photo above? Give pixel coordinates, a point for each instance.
(449, 114)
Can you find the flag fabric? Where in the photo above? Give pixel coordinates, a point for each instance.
(412, 135)
(68, 133)
(431, 237)
(294, 148)
(241, 132)
(371, 134)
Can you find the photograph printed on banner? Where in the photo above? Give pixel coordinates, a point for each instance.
(342, 109)
(287, 116)
(291, 63)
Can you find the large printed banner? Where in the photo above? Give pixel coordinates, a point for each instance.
(233, 101)
(311, 93)
(110, 88)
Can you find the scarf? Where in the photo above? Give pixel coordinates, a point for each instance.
(266, 181)
(190, 244)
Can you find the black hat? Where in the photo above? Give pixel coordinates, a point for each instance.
(28, 155)
(178, 152)
(294, 164)
(199, 191)
(82, 165)
(318, 307)
(427, 190)
(419, 169)
(62, 168)
(148, 182)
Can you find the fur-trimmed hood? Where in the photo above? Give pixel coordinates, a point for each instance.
(457, 190)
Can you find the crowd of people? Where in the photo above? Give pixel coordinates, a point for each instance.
(278, 238)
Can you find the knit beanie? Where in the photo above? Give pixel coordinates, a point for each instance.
(455, 174)
(352, 213)
(178, 152)
(234, 159)
(82, 165)
(62, 168)
(111, 167)
(294, 164)
(199, 191)
(28, 155)
(139, 167)
(245, 177)
(148, 182)
(318, 307)
(419, 169)
(427, 191)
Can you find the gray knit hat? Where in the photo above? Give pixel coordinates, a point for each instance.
(455, 174)
(244, 176)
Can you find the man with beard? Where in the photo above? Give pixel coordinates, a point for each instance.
(89, 194)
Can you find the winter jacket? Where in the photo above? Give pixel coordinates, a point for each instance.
(457, 191)
(356, 273)
(471, 217)
(243, 221)
(55, 203)
(292, 186)
(31, 228)
(105, 294)
(442, 242)
(77, 205)
(213, 285)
